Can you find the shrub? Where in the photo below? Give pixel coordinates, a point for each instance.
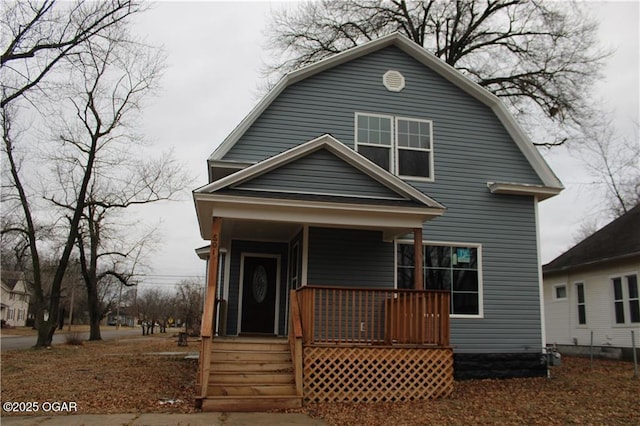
(73, 339)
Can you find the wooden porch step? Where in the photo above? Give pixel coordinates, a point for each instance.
(264, 378)
(262, 345)
(253, 366)
(227, 355)
(252, 390)
(250, 374)
(253, 403)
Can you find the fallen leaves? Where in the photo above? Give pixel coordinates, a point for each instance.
(576, 394)
(122, 377)
(104, 377)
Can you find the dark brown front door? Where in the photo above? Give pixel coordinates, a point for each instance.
(259, 294)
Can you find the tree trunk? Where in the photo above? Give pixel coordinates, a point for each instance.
(94, 311)
(46, 329)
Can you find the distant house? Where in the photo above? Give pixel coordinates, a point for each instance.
(379, 209)
(593, 288)
(14, 299)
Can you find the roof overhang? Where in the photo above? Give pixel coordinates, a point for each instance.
(627, 257)
(540, 191)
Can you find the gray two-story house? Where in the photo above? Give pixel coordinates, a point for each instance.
(378, 209)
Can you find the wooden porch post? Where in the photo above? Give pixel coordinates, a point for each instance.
(212, 278)
(418, 273)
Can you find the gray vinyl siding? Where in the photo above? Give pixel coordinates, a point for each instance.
(471, 147)
(349, 257)
(320, 172)
(505, 227)
(466, 133)
(237, 249)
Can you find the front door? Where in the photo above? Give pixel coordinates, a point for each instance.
(260, 276)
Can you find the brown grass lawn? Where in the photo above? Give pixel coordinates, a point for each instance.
(121, 376)
(117, 376)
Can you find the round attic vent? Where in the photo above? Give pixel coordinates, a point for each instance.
(393, 81)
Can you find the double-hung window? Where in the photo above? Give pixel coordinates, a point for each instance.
(626, 300)
(446, 267)
(401, 145)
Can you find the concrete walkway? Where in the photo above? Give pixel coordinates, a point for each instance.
(155, 419)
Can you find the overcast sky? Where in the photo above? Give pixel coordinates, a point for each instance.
(215, 52)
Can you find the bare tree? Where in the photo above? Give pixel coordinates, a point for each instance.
(189, 305)
(614, 162)
(37, 36)
(38, 39)
(540, 57)
(117, 74)
(155, 307)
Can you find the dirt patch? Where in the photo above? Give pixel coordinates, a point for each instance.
(121, 376)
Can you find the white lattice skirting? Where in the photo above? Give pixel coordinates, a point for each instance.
(368, 374)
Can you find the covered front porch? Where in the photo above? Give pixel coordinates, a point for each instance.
(319, 267)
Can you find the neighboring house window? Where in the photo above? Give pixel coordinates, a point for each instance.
(12, 296)
(626, 301)
(446, 267)
(20, 314)
(10, 314)
(559, 292)
(400, 145)
(582, 309)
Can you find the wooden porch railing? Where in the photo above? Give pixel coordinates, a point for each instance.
(337, 315)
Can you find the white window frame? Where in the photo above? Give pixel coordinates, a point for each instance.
(394, 148)
(555, 292)
(626, 299)
(397, 148)
(477, 246)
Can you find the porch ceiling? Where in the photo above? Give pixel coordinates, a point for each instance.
(268, 218)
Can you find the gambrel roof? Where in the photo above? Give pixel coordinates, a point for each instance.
(551, 184)
(618, 240)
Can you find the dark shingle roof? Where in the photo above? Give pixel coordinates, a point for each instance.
(617, 240)
(11, 278)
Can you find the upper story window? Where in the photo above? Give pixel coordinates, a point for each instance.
(403, 146)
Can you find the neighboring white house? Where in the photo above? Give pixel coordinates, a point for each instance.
(14, 299)
(593, 288)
